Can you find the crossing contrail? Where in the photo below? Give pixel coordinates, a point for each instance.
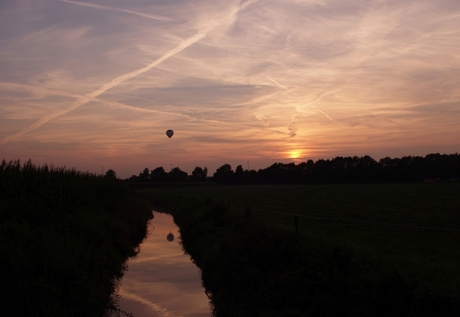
(315, 100)
(319, 98)
(96, 6)
(284, 87)
(43, 92)
(122, 78)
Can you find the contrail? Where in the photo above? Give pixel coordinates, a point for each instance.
(96, 6)
(316, 99)
(319, 110)
(131, 97)
(120, 79)
(108, 103)
(151, 305)
(284, 87)
(119, 105)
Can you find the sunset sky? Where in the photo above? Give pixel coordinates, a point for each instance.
(95, 85)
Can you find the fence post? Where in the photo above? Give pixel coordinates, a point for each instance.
(248, 212)
(296, 217)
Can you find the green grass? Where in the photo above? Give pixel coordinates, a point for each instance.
(413, 227)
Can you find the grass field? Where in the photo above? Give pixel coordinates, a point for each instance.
(415, 227)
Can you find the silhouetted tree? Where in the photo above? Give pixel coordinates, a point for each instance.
(177, 175)
(367, 170)
(239, 174)
(199, 174)
(224, 174)
(144, 176)
(158, 175)
(441, 166)
(337, 170)
(110, 174)
(321, 171)
(251, 176)
(280, 173)
(133, 178)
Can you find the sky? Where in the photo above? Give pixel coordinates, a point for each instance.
(94, 85)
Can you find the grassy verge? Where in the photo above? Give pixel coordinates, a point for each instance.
(383, 250)
(65, 237)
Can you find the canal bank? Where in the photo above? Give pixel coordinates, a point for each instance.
(251, 267)
(163, 281)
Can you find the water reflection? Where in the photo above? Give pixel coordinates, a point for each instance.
(162, 281)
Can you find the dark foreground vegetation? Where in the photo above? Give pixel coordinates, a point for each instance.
(359, 250)
(65, 237)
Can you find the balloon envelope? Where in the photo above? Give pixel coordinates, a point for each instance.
(170, 133)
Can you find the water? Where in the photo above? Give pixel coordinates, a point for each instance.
(162, 281)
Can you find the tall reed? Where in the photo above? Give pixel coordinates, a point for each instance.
(65, 237)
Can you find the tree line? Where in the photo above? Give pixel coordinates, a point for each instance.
(431, 168)
(160, 175)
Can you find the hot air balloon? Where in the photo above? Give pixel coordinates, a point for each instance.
(170, 133)
(170, 237)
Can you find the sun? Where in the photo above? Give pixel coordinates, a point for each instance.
(294, 154)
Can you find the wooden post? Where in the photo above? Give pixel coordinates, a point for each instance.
(296, 217)
(248, 212)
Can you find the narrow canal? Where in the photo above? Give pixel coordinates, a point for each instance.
(162, 281)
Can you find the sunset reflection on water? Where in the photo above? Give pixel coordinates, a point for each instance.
(162, 281)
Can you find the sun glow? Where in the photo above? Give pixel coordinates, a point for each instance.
(294, 154)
